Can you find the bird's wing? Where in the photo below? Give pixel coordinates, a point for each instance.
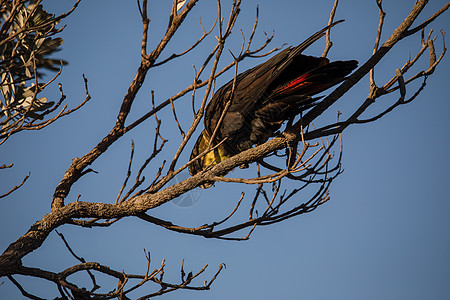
(302, 47)
(252, 84)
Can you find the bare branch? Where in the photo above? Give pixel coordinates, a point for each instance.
(16, 187)
(313, 167)
(128, 172)
(330, 21)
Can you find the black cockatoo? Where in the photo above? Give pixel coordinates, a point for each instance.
(263, 98)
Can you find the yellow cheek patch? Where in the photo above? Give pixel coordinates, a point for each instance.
(212, 157)
(209, 159)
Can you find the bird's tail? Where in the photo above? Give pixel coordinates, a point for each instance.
(316, 80)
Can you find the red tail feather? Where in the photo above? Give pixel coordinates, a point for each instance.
(316, 80)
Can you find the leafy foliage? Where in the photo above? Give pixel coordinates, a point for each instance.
(25, 47)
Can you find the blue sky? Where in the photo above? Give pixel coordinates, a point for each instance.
(385, 234)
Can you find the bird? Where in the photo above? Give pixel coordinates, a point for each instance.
(250, 108)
